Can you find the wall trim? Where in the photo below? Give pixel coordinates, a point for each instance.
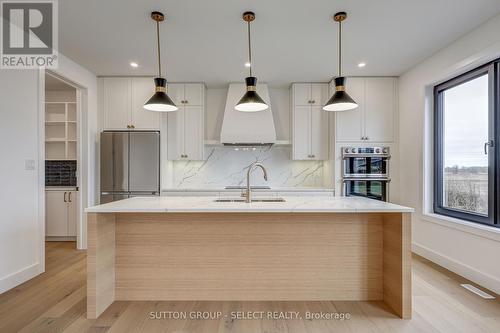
(40, 204)
(21, 276)
(483, 279)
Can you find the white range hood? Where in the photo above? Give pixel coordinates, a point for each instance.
(247, 128)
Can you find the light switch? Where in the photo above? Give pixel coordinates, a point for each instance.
(29, 164)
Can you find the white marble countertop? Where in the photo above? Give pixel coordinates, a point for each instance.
(272, 189)
(208, 205)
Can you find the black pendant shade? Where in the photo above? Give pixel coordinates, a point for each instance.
(340, 101)
(160, 101)
(251, 101)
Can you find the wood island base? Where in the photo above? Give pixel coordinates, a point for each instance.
(249, 256)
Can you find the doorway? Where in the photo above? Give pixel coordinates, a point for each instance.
(62, 141)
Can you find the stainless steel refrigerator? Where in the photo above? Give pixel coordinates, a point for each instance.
(130, 164)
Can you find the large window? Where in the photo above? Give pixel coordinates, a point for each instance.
(466, 119)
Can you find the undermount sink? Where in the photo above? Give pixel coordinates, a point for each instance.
(253, 200)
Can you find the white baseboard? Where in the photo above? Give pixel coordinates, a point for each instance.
(15, 279)
(483, 279)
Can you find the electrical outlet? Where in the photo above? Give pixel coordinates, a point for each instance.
(29, 164)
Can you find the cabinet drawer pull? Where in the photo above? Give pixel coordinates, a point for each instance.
(65, 196)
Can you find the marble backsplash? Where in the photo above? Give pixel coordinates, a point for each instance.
(226, 166)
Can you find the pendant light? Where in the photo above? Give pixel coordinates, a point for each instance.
(251, 101)
(160, 102)
(340, 101)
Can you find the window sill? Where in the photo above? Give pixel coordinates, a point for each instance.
(477, 229)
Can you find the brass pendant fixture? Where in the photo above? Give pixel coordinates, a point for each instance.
(160, 102)
(340, 101)
(251, 101)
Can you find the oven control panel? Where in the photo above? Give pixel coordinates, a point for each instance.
(365, 150)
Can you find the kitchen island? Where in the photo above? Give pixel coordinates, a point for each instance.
(302, 249)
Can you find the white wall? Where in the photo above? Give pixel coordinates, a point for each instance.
(19, 223)
(21, 194)
(469, 249)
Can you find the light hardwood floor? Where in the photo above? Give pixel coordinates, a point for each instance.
(55, 302)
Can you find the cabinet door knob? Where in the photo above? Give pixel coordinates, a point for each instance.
(313, 156)
(313, 101)
(128, 126)
(186, 101)
(65, 196)
(133, 126)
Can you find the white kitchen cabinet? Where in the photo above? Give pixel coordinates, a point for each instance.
(186, 126)
(191, 94)
(350, 124)
(309, 122)
(380, 109)
(315, 94)
(373, 120)
(122, 103)
(142, 90)
(60, 213)
(116, 94)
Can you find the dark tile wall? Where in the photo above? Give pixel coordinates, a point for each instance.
(60, 173)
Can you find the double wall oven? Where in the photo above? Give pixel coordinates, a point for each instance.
(365, 172)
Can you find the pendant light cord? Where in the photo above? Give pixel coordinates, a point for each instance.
(249, 49)
(158, 44)
(340, 48)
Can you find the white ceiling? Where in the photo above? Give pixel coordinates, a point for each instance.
(293, 40)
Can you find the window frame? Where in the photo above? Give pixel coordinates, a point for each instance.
(491, 69)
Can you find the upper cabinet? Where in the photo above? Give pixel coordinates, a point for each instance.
(309, 121)
(186, 126)
(122, 99)
(374, 119)
(142, 90)
(307, 94)
(190, 94)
